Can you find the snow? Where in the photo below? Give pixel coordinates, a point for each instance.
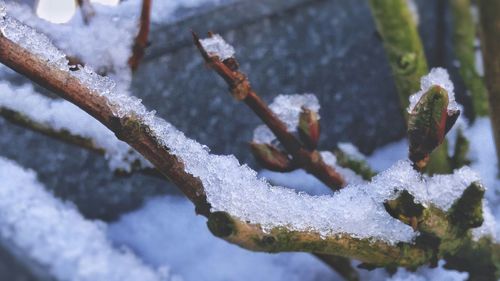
(3, 11)
(299, 180)
(63, 115)
(55, 235)
(440, 77)
(384, 157)
(350, 176)
(302, 181)
(412, 7)
(235, 189)
(483, 156)
(351, 150)
(29, 39)
(478, 57)
(216, 46)
(429, 274)
(115, 34)
(165, 231)
(287, 108)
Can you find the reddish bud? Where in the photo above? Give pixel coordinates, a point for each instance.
(271, 157)
(428, 124)
(309, 128)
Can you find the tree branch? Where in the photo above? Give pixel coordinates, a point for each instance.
(86, 9)
(141, 40)
(240, 88)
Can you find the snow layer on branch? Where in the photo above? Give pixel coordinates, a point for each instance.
(356, 210)
(217, 46)
(437, 76)
(105, 43)
(62, 115)
(33, 41)
(55, 235)
(287, 108)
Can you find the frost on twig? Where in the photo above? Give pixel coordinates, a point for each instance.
(251, 213)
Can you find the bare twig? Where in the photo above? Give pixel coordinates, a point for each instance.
(240, 87)
(141, 40)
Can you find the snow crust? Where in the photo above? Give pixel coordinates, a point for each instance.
(217, 46)
(287, 108)
(55, 235)
(63, 115)
(440, 77)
